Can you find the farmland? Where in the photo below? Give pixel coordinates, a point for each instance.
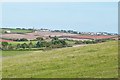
(92, 61)
(10, 33)
(46, 54)
(23, 39)
(22, 31)
(59, 39)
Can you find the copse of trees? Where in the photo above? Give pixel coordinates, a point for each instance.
(57, 43)
(66, 31)
(41, 43)
(22, 39)
(54, 43)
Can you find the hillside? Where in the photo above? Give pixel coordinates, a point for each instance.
(93, 61)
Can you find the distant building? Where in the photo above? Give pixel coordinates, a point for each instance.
(7, 31)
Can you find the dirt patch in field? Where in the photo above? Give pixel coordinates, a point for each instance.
(2, 40)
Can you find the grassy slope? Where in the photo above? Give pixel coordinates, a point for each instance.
(96, 61)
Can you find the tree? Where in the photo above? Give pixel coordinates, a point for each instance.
(38, 44)
(30, 45)
(24, 45)
(43, 43)
(50, 37)
(63, 43)
(55, 38)
(18, 46)
(39, 38)
(78, 42)
(58, 43)
(23, 39)
(48, 44)
(4, 45)
(10, 47)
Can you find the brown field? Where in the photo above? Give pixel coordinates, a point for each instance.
(2, 40)
(45, 34)
(90, 37)
(34, 35)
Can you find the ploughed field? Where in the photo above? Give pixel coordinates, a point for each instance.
(34, 35)
(92, 61)
(28, 34)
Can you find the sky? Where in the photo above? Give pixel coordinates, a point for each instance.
(59, 0)
(78, 16)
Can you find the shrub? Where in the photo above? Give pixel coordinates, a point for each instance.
(78, 42)
(24, 45)
(23, 39)
(4, 45)
(39, 38)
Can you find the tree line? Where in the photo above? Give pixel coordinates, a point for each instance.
(40, 43)
(55, 42)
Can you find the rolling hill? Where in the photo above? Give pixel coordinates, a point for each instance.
(92, 61)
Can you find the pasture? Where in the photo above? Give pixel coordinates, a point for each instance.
(22, 31)
(93, 61)
(21, 42)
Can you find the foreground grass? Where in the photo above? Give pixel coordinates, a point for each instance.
(14, 53)
(93, 61)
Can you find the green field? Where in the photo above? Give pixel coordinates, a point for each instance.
(21, 42)
(34, 42)
(16, 31)
(93, 61)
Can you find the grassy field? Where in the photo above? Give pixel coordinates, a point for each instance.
(34, 42)
(93, 61)
(21, 42)
(16, 31)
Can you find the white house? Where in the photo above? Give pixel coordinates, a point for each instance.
(7, 31)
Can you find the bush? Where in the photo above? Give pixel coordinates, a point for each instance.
(24, 45)
(22, 39)
(4, 45)
(39, 38)
(78, 42)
